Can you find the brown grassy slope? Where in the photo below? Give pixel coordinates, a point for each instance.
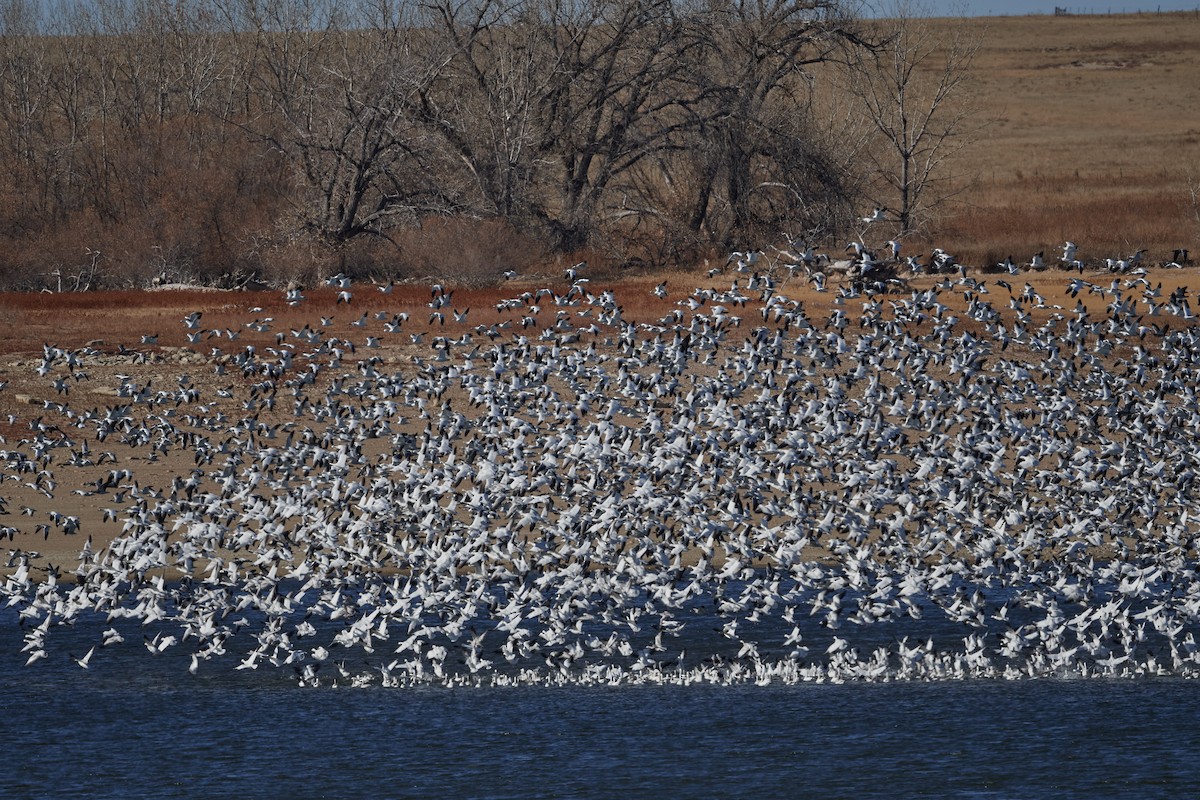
(1091, 135)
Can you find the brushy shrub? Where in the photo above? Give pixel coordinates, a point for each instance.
(466, 251)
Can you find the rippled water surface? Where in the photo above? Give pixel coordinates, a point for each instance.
(134, 726)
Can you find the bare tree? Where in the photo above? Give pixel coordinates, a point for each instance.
(482, 107)
(333, 88)
(565, 117)
(26, 59)
(761, 165)
(915, 91)
(558, 103)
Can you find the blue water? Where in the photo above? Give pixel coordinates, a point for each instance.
(138, 726)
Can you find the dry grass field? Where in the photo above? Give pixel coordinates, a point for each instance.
(1089, 132)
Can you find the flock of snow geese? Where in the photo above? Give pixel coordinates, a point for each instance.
(960, 481)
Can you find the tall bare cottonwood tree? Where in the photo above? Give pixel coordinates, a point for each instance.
(562, 101)
(762, 165)
(915, 91)
(334, 88)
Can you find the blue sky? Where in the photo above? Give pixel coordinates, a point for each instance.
(998, 7)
